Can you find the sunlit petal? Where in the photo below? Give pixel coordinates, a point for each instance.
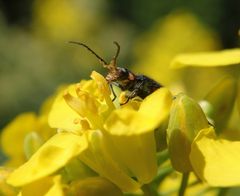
(216, 161)
(53, 155)
(207, 59)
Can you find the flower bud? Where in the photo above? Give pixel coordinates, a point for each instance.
(208, 110)
(94, 186)
(76, 169)
(186, 119)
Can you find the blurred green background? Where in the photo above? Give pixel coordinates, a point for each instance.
(35, 57)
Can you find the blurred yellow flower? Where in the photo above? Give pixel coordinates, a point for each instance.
(64, 19)
(25, 134)
(12, 138)
(118, 143)
(179, 32)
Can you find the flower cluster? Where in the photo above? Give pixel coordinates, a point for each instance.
(94, 146)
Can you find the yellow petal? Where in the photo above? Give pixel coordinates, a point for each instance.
(53, 155)
(127, 126)
(48, 186)
(156, 106)
(56, 189)
(98, 158)
(135, 153)
(13, 134)
(208, 59)
(152, 112)
(6, 189)
(61, 115)
(216, 161)
(103, 87)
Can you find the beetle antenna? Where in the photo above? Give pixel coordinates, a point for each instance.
(118, 50)
(114, 60)
(84, 45)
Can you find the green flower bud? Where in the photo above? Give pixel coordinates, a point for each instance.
(186, 120)
(222, 98)
(94, 186)
(208, 110)
(32, 142)
(76, 170)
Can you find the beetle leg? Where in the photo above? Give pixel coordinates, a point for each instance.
(130, 96)
(114, 94)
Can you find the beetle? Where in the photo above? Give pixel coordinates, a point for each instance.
(135, 84)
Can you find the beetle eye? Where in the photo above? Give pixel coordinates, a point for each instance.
(123, 73)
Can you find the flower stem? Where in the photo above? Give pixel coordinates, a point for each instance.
(183, 184)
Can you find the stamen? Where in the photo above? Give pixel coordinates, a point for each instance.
(74, 103)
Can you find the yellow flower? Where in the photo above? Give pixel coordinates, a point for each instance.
(112, 129)
(117, 143)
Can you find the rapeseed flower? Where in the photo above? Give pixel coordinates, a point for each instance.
(115, 141)
(101, 146)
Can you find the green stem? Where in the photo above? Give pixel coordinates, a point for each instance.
(149, 191)
(223, 191)
(183, 184)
